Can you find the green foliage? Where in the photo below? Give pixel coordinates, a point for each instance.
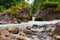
(14, 9)
(53, 0)
(35, 6)
(2, 8)
(14, 5)
(50, 5)
(8, 3)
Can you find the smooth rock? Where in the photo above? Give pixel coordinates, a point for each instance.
(14, 30)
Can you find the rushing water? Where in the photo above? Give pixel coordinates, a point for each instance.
(30, 23)
(33, 18)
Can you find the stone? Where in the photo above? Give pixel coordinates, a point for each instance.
(35, 26)
(22, 34)
(26, 30)
(47, 14)
(14, 30)
(57, 29)
(21, 38)
(4, 32)
(29, 28)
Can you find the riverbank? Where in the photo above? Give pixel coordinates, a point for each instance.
(24, 16)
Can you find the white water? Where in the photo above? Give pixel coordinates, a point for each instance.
(33, 18)
(30, 23)
(29, 1)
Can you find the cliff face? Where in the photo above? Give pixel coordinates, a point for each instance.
(48, 14)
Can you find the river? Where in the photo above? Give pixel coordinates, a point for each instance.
(30, 23)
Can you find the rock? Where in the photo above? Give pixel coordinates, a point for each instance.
(23, 38)
(57, 37)
(41, 29)
(47, 14)
(24, 15)
(22, 34)
(26, 30)
(4, 32)
(6, 18)
(57, 29)
(14, 30)
(20, 16)
(35, 26)
(34, 36)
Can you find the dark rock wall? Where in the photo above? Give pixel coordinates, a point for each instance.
(47, 14)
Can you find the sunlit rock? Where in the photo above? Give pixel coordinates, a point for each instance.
(22, 34)
(4, 32)
(14, 30)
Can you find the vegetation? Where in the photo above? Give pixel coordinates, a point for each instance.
(35, 6)
(14, 5)
(8, 3)
(2, 8)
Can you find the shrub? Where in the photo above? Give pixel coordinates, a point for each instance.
(14, 9)
(2, 8)
(49, 5)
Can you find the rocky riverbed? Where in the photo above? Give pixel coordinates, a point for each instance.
(36, 32)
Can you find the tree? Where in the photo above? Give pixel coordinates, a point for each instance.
(8, 3)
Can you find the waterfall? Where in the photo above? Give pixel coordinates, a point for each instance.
(33, 18)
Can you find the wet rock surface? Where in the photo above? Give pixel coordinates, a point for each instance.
(36, 32)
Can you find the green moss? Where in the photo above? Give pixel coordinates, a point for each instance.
(14, 9)
(48, 5)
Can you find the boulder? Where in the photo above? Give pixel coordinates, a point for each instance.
(14, 30)
(20, 16)
(26, 30)
(35, 26)
(4, 32)
(22, 34)
(57, 29)
(6, 18)
(24, 15)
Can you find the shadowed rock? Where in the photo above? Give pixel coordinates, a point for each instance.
(47, 14)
